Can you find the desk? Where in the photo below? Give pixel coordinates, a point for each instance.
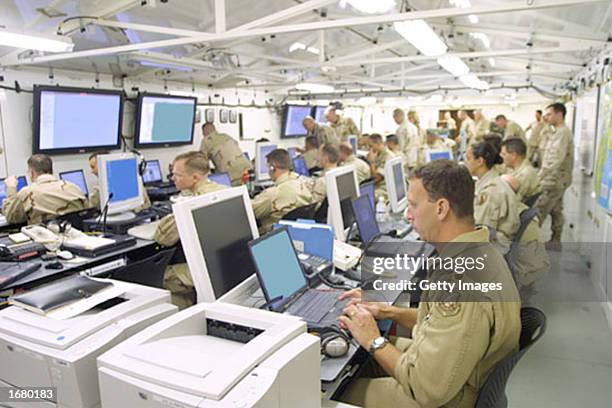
(142, 249)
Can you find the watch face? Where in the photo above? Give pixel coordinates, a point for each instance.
(379, 342)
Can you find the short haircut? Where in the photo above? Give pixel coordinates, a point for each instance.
(397, 111)
(307, 119)
(99, 153)
(392, 139)
(280, 159)
(498, 117)
(451, 181)
(41, 164)
(558, 107)
(346, 149)
(195, 161)
(488, 153)
(516, 146)
(261, 140)
(209, 124)
(311, 141)
(539, 111)
(376, 138)
(331, 152)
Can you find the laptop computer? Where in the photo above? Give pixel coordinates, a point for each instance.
(284, 285)
(77, 177)
(368, 189)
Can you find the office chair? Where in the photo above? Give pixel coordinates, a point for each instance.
(306, 212)
(525, 218)
(76, 218)
(320, 215)
(493, 392)
(148, 271)
(532, 199)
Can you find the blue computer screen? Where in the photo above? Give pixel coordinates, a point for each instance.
(319, 115)
(400, 184)
(300, 167)
(277, 264)
(77, 177)
(294, 117)
(122, 178)
(221, 178)
(292, 152)
(263, 151)
(368, 189)
(366, 221)
(353, 141)
(440, 155)
(78, 120)
(21, 183)
(152, 172)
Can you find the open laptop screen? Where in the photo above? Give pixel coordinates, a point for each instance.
(278, 268)
(366, 220)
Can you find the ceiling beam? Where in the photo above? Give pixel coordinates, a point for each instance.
(320, 25)
(220, 23)
(109, 9)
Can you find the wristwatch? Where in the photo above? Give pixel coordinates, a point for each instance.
(377, 344)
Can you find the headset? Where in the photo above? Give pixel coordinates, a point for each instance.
(142, 163)
(335, 342)
(59, 226)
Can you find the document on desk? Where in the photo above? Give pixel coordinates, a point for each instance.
(144, 231)
(88, 242)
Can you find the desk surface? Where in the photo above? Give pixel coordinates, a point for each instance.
(44, 274)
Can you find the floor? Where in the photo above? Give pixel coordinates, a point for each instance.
(571, 365)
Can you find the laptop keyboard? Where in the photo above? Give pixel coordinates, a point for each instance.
(314, 305)
(401, 227)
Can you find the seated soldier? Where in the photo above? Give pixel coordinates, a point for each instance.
(311, 152)
(347, 158)
(290, 191)
(378, 156)
(45, 199)
(328, 158)
(522, 177)
(190, 175)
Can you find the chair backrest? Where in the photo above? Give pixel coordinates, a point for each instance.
(304, 212)
(493, 392)
(321, 213)
(526, 217)
(531, 200)
(148, 271)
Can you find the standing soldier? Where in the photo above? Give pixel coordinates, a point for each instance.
(343, 126)
(224, 152)
(408, 136)
(535, 136)
(482, 125)
(555, 176)
(324, 134)
(510, 128)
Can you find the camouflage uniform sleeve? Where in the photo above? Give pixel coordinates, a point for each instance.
(262, 204)
(353, 128)
(166, 233)
(319, 191)
(94, 198)
(489, 208)
(451, 340)
(15, 205)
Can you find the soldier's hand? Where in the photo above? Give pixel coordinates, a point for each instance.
(371, 155)
(10, 181)
(360, 322)
(353, 294)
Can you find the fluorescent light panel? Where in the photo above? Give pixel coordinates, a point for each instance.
(369, 6)
(35, 41)
(315, 88)
(421, 36)
(454, 65)
(473, 81)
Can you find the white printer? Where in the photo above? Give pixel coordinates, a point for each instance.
(38, 351)
(215, 355)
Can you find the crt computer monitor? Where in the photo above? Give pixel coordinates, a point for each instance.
(77, 177)
(300, 167)
(119, 181)
(396, 184)
(152, 173)
(21, 183)
(341, 187)
(432, 154)
(215, 229)
(222, 178)
(164, 120)
(261, 162)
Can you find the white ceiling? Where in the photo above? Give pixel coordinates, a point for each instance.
(573, 33)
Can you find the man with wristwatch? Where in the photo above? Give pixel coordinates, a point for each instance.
(457, 337)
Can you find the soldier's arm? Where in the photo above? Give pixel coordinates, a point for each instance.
(262, 204)
(14, 205)
(455, 337)
(554, 159)
(166, 233)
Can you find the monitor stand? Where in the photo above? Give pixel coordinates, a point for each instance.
(121, 217)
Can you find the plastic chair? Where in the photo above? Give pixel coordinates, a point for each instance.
(148, 271)
(493, 392)
(304, 212)
(526, 217)
(320, 215)
(532, 199)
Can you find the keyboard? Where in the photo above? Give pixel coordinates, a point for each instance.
(315, 306)
(162, 208)
(402, 228)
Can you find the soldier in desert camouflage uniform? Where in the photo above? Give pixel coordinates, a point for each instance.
(343, 126)
(190, 175)
(224, 152)
(324, 134)
(47, 197)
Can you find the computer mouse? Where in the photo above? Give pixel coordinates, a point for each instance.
(54, 265)
(335, 346)
(65, 255)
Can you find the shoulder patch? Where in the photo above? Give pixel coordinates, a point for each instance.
(449, 308)
(482, 198)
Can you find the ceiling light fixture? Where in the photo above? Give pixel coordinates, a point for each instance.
(473, 18)
(421, 36)
(35, 41)
(483, 38)
(297, 46)
(369, 6)
(472, 81)
(454, 65)
(314, 88)
(491, 61)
